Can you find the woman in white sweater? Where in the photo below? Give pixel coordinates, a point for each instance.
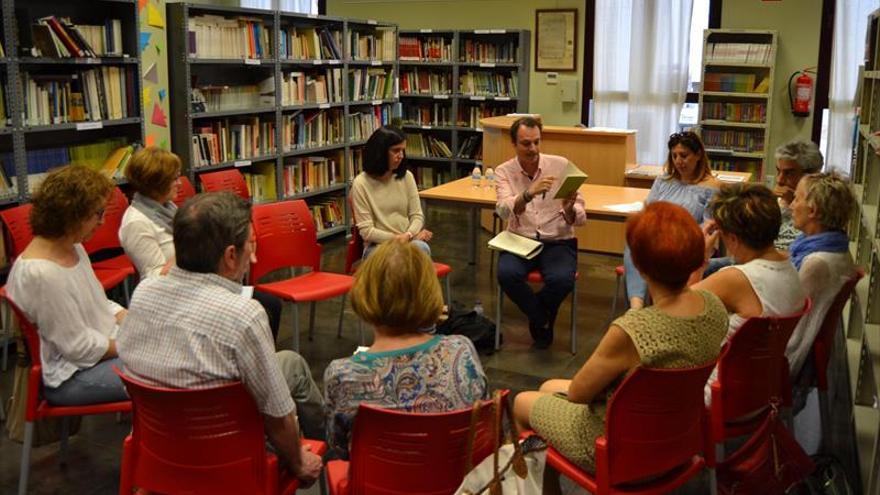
(385, 196)
(146, 234)
(53, 283)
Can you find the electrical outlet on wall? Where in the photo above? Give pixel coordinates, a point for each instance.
(568, 89)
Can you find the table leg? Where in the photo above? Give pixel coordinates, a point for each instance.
(472, 245)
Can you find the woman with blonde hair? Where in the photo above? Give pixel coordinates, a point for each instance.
(397, 292)
(52, 281)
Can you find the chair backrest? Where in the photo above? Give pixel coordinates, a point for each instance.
(656, 411)
(754, 371)
(225, 180)
(185, 190)
(29, 331)
(107, 234)
(286, 237)
(824, 341)
(18, 225)
(196, 441)
(394, 452)
(355, 249)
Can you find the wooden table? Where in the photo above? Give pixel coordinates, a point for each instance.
(644, 176)
(461, 192)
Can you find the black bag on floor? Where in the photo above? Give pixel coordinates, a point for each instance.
(829, 478)
(478, 328)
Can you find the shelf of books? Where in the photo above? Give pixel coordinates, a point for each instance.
(290, 108)
(862, 315)
(735, 98)
(449, 80)
(70, 89)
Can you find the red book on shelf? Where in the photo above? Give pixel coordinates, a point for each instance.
(62, 34)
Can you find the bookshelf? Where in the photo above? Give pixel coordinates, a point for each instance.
(293, 115)
(736, 98)
(449, 80)
(862, 314)
(63, 105)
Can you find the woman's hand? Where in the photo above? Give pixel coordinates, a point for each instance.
(425, 235)
(167, 267)
(121, 316)
(404, 237)
(711, 233)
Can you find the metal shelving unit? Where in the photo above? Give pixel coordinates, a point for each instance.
(455, 66)
(18, 138)
(182, 66)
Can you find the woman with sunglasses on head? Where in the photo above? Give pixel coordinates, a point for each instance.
(145, 232)
(686, 181)
(53, 283)
(385, 197)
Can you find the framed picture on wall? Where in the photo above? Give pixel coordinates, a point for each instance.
(555, 40)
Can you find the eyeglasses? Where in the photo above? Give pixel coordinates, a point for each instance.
(685, 136)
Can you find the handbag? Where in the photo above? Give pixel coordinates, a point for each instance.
(511, 469)
(770, 462)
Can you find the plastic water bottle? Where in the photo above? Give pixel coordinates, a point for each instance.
(478, 308)
(476, 176)
(490, 178)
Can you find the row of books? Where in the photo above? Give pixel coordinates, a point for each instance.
(470, 115)
(741, 141)
(427, 177)
(310, 43)
(375, 45)
(58, 37)
(226, 140)
(743, 53)
(223, 98)
(362, 124)
(102, 93)
(471, 148)
(724, 165)
(4, 113)
(735, 112)
(426, 49)
(321, 86)
(427, 114)
(312, 129)
(311, 173)
(328, 212)
(426, 145)
(213, 36)
(734, 82)
(260, 180)
(425, 81)
(485, 83)
(355, 163)
(371, 84)
(488, 51)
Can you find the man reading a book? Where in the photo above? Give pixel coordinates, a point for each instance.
(526, 187)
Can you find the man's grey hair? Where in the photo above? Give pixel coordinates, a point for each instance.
(805, 153)
(205, 226)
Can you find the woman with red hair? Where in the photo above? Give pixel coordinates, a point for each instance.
(683, 328)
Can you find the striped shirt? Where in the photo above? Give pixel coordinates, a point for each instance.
(195, 330)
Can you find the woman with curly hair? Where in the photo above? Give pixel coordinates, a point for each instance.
(53, 283)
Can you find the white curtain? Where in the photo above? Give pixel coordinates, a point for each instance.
(300, 6)
(850, 23)
(640, 71)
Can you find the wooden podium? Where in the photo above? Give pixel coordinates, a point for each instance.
(604, 155)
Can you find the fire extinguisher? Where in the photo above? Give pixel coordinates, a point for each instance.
(803, 95)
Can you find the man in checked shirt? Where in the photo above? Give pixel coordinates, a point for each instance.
(194, 329)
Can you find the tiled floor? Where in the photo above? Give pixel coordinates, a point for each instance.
(94, 453)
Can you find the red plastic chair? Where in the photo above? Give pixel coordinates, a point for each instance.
(185, 190)
(286, 237)
(116, 270)
(203, 441)
(225, 180)
(38, 408)
(18, 227)
(656, 435)
(394, 452)
(534, 277)
(356, 251)
(752, 374)
(822, 346)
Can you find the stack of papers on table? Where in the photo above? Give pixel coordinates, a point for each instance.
(626, 207)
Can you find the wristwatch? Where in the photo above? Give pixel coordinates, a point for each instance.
(527, 196)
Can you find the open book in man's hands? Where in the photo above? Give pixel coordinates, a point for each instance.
(516, 244)
(572, 179)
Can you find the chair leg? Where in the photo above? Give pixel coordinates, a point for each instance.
(25, 458)
(448, 290)
(613, 305)
(2, 409)
(296, 327)
(574, 295)
(312, 320)
(341, 314)
(500, 300)
(7, 333)
(322, 481)
(62, 444)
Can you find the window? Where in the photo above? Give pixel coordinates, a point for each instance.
(699, 23)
